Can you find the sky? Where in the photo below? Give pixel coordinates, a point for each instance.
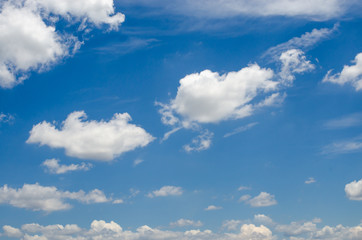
(180, 120)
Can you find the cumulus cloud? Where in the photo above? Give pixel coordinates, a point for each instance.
(52, 166)
(212, 208)
(30, 40)
(349, 75)
(200, 143)
(186, 222)
(94, 140)
(354, 190)
(11, 232)
(264, 199)
(166, 191)
(209, 97)
(45, 198)
(100, 229)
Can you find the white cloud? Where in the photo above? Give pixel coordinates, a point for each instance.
(264, 199)
(166, 191)
(48, 199)
(310, 180)
(354, 190)
(186, 222)
(118, 201)
(304, 42)
(216, 9)
(52, 166)
(11, 232)
(349, 75)
(231, 224)
(137, 162)
(209, 97)
(261, 218)
(293, 61)
(29, 40)
(92, 140)
(100, 229)
(241, 129)
(212, 208)
(242, 188)
(200, 143)
(342, 147)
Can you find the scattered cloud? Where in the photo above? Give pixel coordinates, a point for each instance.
(304, 42)
(48, 199)
(264, 199)
(242, 188)
(293, 61)
(93, 140)
(263, 219)
(200, 143)
(30, 41)
(212, 208)
(52, 166)
(137, 162)
(310, 180)
(6, 118)
(354, 190)
(349, 75)
(166, 191)
(342, 147)
(118, 201)
(130, 45)
(350, 120)
(186, 222)
(100, 229)
(241, 129)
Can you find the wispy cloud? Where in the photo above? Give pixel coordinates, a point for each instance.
(349, 146)
(351, 120)
(130, 45)
(241, 129)
(310, 180)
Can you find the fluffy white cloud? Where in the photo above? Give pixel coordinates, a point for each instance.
(293, 61)
(209, 97)
(186, 222)
(52, 166)
(48, 199)
(264, 199)
(295, 228)
(166, 191)
(252, 232)
(212, 208)
(9, 231)
(93, 140)
(354, 190)
(349, 75)
(29, 40)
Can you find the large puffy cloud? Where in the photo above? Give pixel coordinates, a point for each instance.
(209, 97)
(166, 191)
(93, 140)
(29, 40)
(354, 190)
(349, 75)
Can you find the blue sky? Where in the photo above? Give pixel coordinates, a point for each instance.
(180, 120)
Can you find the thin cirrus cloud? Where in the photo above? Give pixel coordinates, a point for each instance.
(93, 140)
(350, 74)
(52, 166)
(30, 41)
(215, 9)
(264, 199)
(166, 191)
(47, 198)
(354, 190)
(351, 120)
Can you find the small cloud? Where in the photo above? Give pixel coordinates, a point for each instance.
(310, 180)
(343, 147)
(264, 199)
(200, 143)
(137, 162)
(212, 208)
(186, 222)
(231, 224)
(354, 190)
(351, 120)
(242, 188)
(241, 129)
(6, 118)
(118, 201)
(52, 166)
(166, 191)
